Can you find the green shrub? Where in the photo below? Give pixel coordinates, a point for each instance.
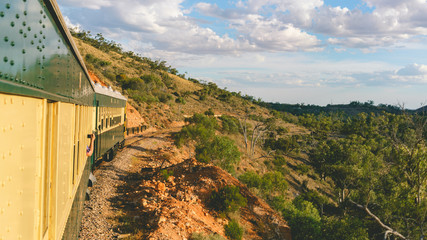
(273, 181)
(279, 161)
(202, 97)
(227, 199)
(180, 100)
(251, 179)
(230, 124)
(302, 169)
(347, 228)
(210, 112)
(166, 174)
(304, 220)
(201, 236)
(221, 151)
(201, 129)
(281, 130)
(233, 230)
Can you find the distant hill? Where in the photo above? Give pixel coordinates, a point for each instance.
(422, 109)
(350, 109)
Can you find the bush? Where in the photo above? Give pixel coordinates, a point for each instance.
(347, 228)
(251, 179)
(281, 130)
(210, 112)
(233, 230)
(230, 124)
(200, 236)
(201, 129)
(166, 174)
(180, 100)
(221, 150)
(279, 161)
(273, 181)
(304, 220)
(302, 169)
(227, 199)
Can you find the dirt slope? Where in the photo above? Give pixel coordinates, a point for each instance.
(133, 200)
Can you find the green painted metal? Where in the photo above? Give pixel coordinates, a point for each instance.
(108, 101)
(108, 140)
(37, 58)
(72, 227)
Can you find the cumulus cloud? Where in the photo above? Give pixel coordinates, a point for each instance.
(413, 70)
(160, 24)
(389, 23)
(270, 25)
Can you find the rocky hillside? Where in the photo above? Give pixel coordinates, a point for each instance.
(152, 190)
(156, 190)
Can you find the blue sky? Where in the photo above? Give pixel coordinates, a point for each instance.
(289, 51)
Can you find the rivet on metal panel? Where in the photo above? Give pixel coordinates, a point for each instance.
(25, 35)
(32, 42)
(25, 12)
(43, 26)
(29, 29)
(41, 32)
(17, 16)
(41, 12)
(44, 16)
(12, 62)
(21, 213)
(5, 59)
(21, 192)
(12, 43)
(23, 51)
(21, 31)
(7, 5)
(6, 39)
(24, 23)
(9, 178)
(12, 24)
(1, 14)
(40, 21)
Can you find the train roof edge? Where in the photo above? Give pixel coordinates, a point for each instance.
(53, 7)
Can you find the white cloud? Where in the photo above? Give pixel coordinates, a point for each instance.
(91, 4)
(413, 70)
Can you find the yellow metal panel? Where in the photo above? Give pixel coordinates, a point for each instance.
(64, 161)
(21, 127)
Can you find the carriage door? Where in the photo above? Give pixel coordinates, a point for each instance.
(47, 168)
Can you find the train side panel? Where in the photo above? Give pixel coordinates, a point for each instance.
(21, 149)
(43, 188)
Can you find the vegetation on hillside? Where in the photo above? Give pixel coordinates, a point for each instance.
(360, 170)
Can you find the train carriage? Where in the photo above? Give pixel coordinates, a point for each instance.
(110, 119)
(48, 105)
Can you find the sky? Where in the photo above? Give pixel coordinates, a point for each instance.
(287, 51)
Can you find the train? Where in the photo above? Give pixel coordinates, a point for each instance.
(48, 107)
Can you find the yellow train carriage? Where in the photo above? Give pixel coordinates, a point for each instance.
(42, 150)
(47, 108)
